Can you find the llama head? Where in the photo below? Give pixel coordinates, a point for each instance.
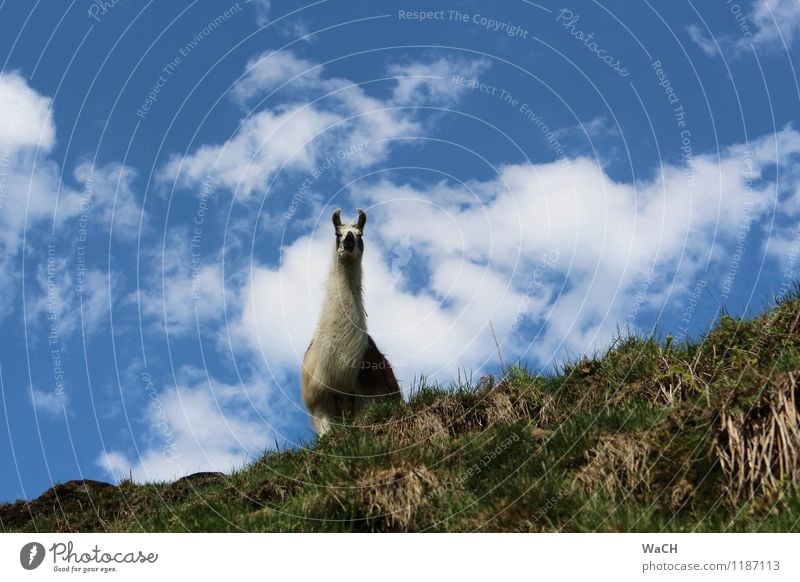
(349, 237)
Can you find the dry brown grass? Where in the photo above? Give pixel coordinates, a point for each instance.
(618, 465)
(394, 493)
(453, 415)
(502, 408)
(424, 427)
(680, 494)
(759, 446)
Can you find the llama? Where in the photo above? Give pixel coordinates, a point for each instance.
(343, 370)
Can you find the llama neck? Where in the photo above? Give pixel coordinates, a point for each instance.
(344, 303)
(342, 331)
(341, 336)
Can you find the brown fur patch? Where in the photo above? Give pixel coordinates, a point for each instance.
(376, 376)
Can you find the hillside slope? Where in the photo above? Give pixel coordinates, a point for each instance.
(647, 437)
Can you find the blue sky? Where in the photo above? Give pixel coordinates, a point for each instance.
(168, 171)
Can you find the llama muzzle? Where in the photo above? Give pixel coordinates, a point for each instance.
(349, 242)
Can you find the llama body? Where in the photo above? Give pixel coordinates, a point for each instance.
(343, 370)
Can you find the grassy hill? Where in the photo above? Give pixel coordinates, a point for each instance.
(648, 436)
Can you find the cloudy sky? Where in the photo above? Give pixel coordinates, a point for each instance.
(168, 171)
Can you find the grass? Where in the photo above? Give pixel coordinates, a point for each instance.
(648, 436)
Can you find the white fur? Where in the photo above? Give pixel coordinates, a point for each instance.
(329, 376)
(341, 335)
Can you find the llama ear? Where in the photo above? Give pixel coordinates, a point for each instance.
(362, 219)
(337, 217)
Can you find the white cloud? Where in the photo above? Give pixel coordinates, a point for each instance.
(770, 25)
(115, 464)
(26, 119)
(27, 194)
(281, 304)
(263, 9)
(280, 307)
(706, 44)
(31, 191)
(783, 244)
(188, 290)
(784, 248)
(51, 403)
(474, 257)
(432, 82)
(316, 118)
(64, 296)
(200, 426)
(65, 290)
(28, 187)
(596, 128)
(112, 202)
(264, 144)
(777, 22)
(29, 181)
(95, 296)
(268, 71)
(296, 30)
